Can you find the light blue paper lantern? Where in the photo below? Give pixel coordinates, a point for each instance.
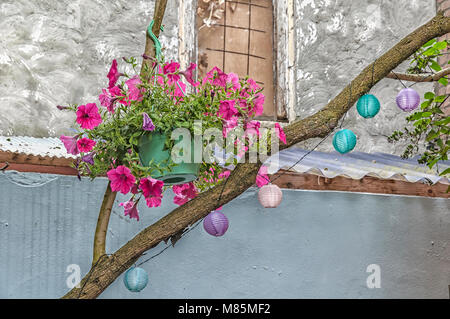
(135, 279)
(368, 106)
(344, 141)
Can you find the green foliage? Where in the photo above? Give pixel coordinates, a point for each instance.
(428, 126)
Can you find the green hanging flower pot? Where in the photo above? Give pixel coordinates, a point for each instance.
(151, 147)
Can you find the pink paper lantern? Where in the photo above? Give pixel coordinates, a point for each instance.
(270, 196)
(216, 223)
(408, 99)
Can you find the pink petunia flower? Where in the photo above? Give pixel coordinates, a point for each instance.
(280, 133)
(262, 178)
(170, 70)
(229, 125)
(153, 201)
(189, 74)
(130, 208)
(70, 143)
(106, 100)
(227, 109)
(88, 116)
(216, 77)
(85, 144)
(253, 127)
(184, 193)
(233, 78)
(151, 187)
(113, 74)
(253, 86)
(134, 93)
(121, 179)
(258, 105)
(147, 123)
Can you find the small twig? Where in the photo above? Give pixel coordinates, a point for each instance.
(419, 77)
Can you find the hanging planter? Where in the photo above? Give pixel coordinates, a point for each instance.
(152, 149)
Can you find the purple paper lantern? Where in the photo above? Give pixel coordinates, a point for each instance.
(408, 99)
(215, 224)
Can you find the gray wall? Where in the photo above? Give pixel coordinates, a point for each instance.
(316, 244)
(337, 39)
(59, 52)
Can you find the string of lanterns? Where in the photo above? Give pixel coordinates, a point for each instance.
(270, 195)
(344, 140)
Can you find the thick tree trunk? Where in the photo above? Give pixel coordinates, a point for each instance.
(243, 177)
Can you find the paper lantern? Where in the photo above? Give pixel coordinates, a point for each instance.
(344, 141)
(215, 224)
(368, 106)
(135, 279)
(408, 99)
(270, 196)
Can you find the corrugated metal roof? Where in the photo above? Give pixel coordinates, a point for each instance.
(357, 165)
(45, 147)
(354, 165)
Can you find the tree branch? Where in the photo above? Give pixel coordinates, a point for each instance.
(160, 8)
(102, 223)
(109, 197)
(243, 176)
(419, 77)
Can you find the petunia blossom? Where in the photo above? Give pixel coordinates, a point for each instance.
(88, 158)
(233, 78)
(227, 109)
(130, 208)
(153, 201)
(121, 179)
(113, 74)
(106, 100)
(151, 187)
(184, 193)
(189, 74)
(134, 93)
(70, 143)
(229, 125)
(262, 178)
(147, 123)
(88, 116)
(85, 144)
(258, 105)
(170, 70)
(253, 127)
(280, 133)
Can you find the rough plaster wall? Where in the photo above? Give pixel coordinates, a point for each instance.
(59, 52)
(315, 245)
(337, 39)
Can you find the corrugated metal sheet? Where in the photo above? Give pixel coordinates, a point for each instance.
(356, 165)
(46, 147)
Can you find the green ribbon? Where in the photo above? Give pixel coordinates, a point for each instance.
(155, 39)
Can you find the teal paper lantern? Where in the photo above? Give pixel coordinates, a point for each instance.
(368, 106)
(344, 141)
(135, 279)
